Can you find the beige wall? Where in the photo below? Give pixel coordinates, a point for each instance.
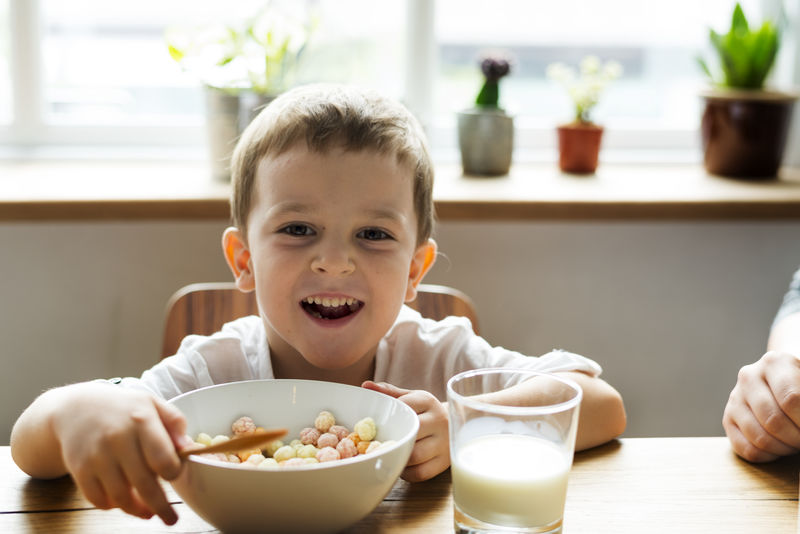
(671, 310)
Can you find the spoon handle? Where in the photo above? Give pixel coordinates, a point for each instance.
(238, 443)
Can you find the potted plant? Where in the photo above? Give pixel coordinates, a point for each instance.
(579, 140)
(744, 126)
(242, 66)
(486, 131)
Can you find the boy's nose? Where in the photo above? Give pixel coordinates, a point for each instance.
(333, 262)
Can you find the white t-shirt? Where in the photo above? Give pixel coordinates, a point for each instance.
(416, 353)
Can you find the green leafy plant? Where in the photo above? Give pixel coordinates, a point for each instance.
(494, 67)
(261, 53)
(585, 85)
(745, 55)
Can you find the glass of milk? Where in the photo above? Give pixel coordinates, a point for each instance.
(512, 437)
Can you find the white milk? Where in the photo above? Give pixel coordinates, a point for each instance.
(510, 480)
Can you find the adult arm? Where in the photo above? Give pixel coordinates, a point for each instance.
(762, 415)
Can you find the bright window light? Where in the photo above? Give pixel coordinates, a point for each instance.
(5, 69)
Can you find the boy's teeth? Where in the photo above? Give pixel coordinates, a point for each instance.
(330, 301)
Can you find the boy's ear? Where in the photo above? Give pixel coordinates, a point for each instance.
(238, 257)
(423, 260)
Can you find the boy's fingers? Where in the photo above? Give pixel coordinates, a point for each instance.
(423, 451)
(424, 471)
(92, 489)
(157, 446)
(173, 420)
(386, 388)
(120, 493)
(148, 493)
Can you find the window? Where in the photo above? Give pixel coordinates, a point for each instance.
(92, 72)
(5, 69)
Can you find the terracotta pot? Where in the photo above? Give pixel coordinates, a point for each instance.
(579, 147)
(486, 141)
(744, 132)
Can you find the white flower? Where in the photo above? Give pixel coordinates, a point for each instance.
(590, 65)
(585, 88)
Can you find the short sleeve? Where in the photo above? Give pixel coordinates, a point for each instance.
(791, 300)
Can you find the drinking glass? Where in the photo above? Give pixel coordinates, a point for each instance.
(512, 438)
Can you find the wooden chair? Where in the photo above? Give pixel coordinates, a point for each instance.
(204, 308)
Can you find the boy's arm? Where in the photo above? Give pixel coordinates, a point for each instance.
(602, 416)
(602, 413)
(114, 441)
(34, 445)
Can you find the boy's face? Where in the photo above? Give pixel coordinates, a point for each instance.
(331, 253)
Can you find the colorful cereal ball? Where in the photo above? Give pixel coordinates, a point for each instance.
(353, 436)
(284, 453)
(324, 421)
(327, 440)
(307, 451)
(254, 459)
(362, 446)
(346, 448)
(243, 425)
(272, 447)
(268, 463)
(309, 436)
(293, 462)
(339, 431)
(328, 454)
(203, 439)
(245, 455)
(366, 429)
(219, 439)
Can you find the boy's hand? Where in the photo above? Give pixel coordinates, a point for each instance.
(116, 443)
(431, 454)
(762, 417)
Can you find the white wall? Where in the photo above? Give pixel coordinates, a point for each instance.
(671, 310)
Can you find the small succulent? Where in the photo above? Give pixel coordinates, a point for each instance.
(494, 67)
(745, 55)
(585, 85)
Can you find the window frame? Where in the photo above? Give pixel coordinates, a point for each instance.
(28, 133)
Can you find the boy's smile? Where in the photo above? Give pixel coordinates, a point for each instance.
(332, 254)
(331, 308)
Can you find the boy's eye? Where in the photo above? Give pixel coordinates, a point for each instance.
(297, 229)
(373, 234)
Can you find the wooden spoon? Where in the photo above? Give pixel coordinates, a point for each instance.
(244, 442)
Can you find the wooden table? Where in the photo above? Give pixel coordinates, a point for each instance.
(646, 485)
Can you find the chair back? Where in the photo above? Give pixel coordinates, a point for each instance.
(204, 308)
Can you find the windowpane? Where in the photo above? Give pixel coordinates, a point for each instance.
(107, 63)
(656, 43)
(5, 68)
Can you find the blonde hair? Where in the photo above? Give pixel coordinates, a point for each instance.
(329, 116)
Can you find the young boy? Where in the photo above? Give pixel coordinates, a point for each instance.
(333, 214)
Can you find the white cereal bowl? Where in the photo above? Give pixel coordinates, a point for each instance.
(326, 497)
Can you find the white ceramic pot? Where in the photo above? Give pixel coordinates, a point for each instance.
(228, 112)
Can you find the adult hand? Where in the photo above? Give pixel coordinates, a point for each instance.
(431, 454)
(762, 417)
